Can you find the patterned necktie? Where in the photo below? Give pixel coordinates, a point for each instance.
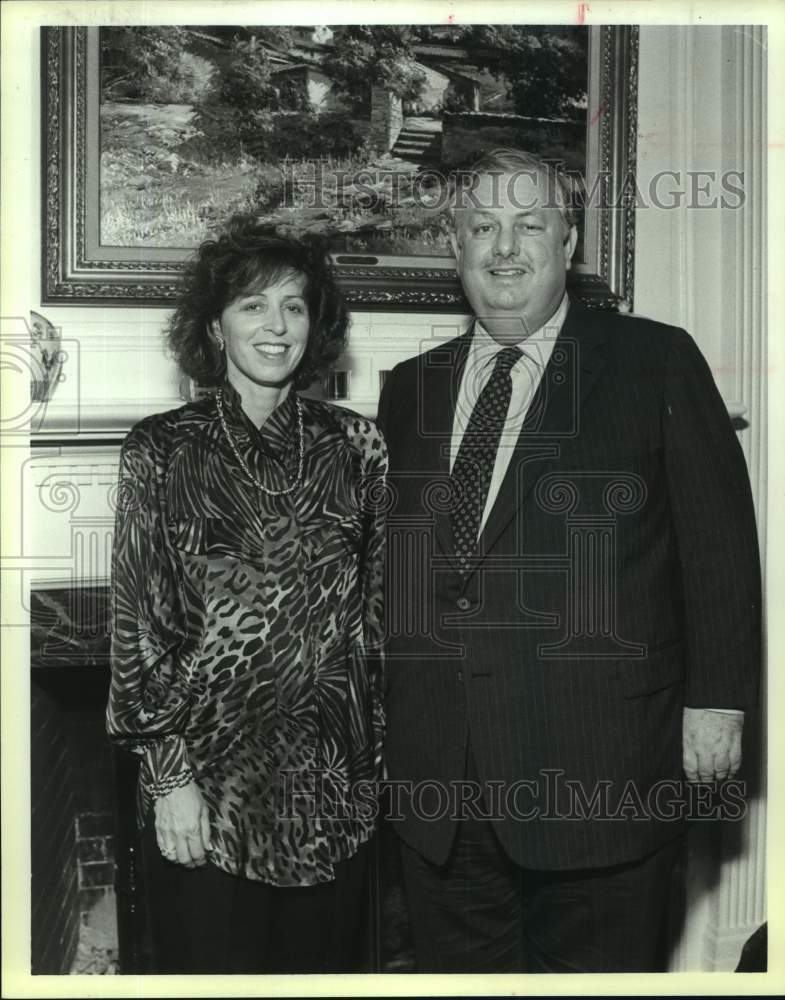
(476, 456)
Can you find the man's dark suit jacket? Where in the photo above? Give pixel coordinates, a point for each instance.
(617, 581)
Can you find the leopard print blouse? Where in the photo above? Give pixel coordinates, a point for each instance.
(246, 629)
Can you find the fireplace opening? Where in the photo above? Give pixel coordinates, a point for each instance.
(73, 805)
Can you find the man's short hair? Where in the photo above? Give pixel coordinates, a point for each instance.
(507, 160)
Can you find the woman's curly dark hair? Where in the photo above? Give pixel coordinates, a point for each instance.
(247, 257)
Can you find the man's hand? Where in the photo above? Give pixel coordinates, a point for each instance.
(711, 744)
(182, 828)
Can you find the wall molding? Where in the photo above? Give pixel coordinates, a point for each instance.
(741, 899)
(707, 272)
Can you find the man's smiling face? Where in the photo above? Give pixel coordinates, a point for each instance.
(513, 248)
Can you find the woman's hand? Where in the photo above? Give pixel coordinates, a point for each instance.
(182, 828)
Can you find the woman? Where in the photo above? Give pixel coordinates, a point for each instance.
(246, 626)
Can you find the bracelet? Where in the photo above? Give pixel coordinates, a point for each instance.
(166, 785)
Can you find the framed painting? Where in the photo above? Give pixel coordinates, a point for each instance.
(154, 136)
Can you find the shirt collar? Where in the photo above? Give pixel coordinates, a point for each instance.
(277, 433)
(538, 346)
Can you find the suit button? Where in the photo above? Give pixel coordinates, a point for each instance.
(464, 603)
(460, 675)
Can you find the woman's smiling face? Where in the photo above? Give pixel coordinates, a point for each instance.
(266, 332)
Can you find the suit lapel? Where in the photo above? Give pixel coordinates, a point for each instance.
(441, 377)
(554, 415)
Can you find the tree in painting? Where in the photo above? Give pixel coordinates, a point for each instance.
(364, 56)
(544, 71)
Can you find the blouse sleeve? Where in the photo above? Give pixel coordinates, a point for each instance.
(374, 488)
(148, 698)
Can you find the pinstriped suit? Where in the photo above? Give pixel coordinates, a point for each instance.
(617, 580)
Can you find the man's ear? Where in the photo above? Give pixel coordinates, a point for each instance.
(570, 242)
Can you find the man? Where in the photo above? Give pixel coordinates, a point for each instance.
(573, 604)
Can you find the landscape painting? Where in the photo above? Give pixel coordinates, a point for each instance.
(155, 135)
(348, 132)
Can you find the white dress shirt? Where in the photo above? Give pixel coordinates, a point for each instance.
(526, 374)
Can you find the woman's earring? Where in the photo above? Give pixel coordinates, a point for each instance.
(213, 329)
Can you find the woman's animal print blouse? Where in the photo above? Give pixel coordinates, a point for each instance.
(246, 631)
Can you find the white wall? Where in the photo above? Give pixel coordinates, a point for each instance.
(702, 106)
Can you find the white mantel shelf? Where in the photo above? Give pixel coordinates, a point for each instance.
(96, 422)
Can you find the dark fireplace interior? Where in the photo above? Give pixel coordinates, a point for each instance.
(72, 772)
(55, 884)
